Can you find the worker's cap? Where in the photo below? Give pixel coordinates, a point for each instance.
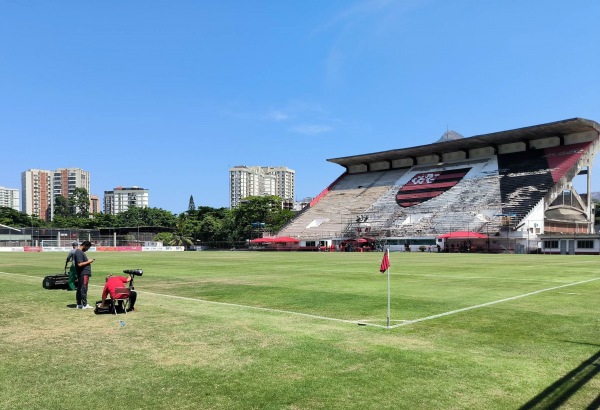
(75, 243)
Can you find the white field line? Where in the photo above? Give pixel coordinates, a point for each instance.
(462, 278)
(356, 322)
(236, 305)
(452, 312)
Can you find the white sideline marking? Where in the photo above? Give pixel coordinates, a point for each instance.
(354, 322)
(461, 278)
(237, 305)
(409, 322)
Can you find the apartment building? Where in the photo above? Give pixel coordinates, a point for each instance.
(36, 193)
(40, 187)
(9, 198)
(65, 180)
(120, 199)
(247, 181)
(94, 204)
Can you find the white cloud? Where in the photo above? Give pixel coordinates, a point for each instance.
(296, 116)
(363, 25)
(277, 115)
(311, 129)
(297, 110)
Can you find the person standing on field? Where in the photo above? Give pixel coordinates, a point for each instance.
(84, 272)
(72, 269)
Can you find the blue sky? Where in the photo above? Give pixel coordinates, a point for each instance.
(168, 95)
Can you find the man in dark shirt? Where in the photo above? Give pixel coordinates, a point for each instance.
(84, 271)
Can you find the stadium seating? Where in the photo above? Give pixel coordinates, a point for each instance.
(486, 195)
(473, 203)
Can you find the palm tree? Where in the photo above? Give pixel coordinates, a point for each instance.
(181, 236)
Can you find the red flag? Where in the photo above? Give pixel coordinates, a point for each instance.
(385, 262)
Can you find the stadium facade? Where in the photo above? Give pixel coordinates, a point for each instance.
(507, 190)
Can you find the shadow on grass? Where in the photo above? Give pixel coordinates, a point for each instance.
(561, 390)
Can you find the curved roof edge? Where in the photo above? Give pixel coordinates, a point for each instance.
(558, 128)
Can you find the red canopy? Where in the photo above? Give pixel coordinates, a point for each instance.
(283, 239)
(463, 235)
(286, 239)
(359, 240)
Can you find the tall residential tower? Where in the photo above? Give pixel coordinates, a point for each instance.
(120, 199)
(260, 181)
(9, 197)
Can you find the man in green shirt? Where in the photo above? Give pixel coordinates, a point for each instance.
(72, 270)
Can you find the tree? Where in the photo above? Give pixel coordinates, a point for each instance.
(104, 220)
(258, 210)
(61, 207)
(191, 205)
(14, 218)
(181, 236)
(72, 212)
(135, 216)
(210, 228)
(67, 222)
(207, 223)
(230, 231)
(164, 237)
(280, 217)
(79, 203)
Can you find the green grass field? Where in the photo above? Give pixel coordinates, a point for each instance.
(250, 330)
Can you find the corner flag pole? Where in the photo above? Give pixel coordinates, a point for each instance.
(385, 266)
(389, 293)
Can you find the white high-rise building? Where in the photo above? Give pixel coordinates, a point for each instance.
(260, 181)
(40, 187)
(285, 182)
(9, 197)
(120, 199)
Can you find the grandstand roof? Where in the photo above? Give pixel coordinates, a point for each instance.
(450, 136)
(558, 128)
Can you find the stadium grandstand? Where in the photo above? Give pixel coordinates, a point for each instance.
(503, 191)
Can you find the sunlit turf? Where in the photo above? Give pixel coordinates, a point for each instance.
(199, 341)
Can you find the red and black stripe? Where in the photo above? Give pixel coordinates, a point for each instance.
(427, 185)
